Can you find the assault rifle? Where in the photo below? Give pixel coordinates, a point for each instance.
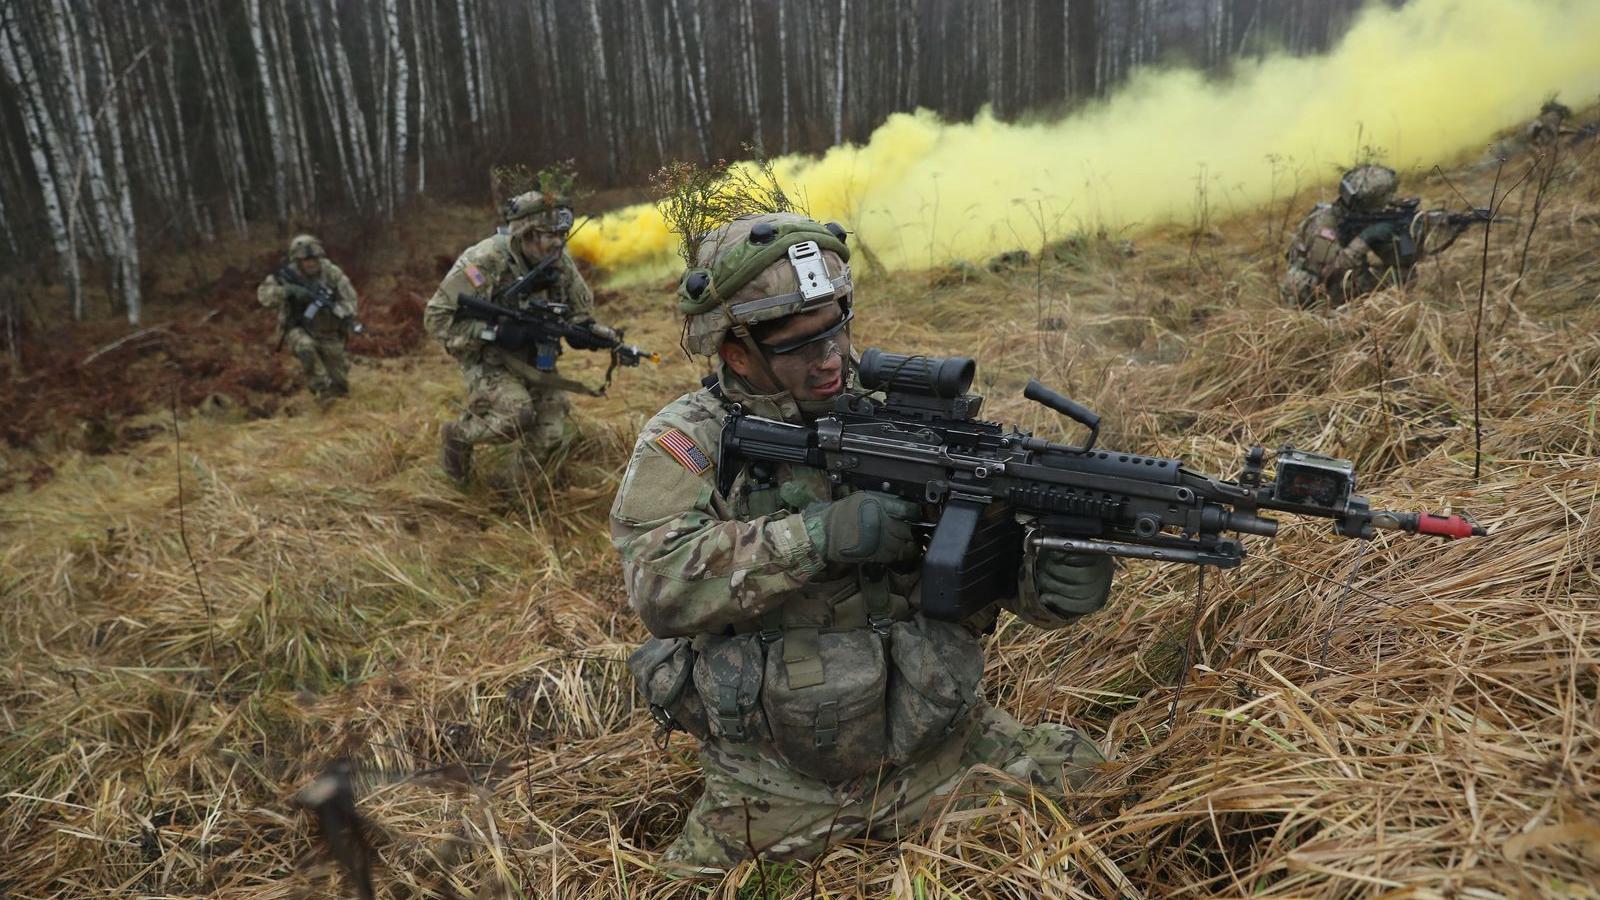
(1401, 214)
(549, 326)
(982, 482)
(319, 296)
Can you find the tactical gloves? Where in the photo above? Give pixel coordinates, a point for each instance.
(599, 337)
(512, 335)
(1073, 584)
(1379, 233)
(865, 527)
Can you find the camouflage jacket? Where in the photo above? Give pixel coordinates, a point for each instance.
(1317, 250)
(329, 323)
(698, 561)
(481, 270)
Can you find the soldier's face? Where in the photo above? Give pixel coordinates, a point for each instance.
(807, 354)
(539, 244)
(310, 267)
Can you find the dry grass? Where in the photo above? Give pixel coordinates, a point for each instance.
(1431, 731)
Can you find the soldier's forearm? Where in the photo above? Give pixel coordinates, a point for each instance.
(685, 579)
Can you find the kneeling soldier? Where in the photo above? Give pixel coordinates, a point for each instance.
(785, 609)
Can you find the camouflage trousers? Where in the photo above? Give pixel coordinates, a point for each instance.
(1305, 290)
(322, 359)
(752, 799)
(502, 407)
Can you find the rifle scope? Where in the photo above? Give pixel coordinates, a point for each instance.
(945, 377)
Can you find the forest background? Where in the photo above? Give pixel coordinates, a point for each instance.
(130, 127)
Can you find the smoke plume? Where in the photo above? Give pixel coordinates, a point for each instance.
(1429, 82)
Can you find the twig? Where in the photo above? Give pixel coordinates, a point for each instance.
(1477, 336)
(750, 844)
(816, 864)
(1188, 646)
(128, 339)
(1546, 175)
(183, 533)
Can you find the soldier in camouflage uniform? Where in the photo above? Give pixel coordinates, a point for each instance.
(1550, 124)
(318, 341)
(785, 609)
(1326, 268)
(509, 397)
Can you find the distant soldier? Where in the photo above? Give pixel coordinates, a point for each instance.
(1550, 124)
(316, 314)
(513, 391)
(1362, 242)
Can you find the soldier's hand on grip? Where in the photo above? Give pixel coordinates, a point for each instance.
(1074, 584)
(865, 527)
(1379, 233)
(512, 335)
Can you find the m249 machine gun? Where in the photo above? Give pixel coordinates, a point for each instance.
(986, 486)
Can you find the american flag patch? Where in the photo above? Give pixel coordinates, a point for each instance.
(475, 275)
(681, 448)
(1329, 234)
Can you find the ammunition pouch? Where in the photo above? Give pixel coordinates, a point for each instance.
(663, 670)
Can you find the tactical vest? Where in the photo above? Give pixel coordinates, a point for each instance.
(844, 677)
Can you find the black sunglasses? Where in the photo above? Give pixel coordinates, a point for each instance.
(801, 343)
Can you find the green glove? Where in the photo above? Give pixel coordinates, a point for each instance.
(865, 527)
(1379, 233)
(295, 292)
(1073, 584)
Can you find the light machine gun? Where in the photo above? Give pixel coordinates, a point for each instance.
(987, 485)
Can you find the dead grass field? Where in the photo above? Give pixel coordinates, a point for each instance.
(1415, 719)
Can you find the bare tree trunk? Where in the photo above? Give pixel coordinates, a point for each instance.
(838, 75)
(269, 96)
(19, 69)
(402, 77)
(417, 26)
(783, 69)
(688, 75)
(124, 229)
(468, 51)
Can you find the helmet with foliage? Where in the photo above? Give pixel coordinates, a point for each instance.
(1555, 109)
(749, 256)
(760, 268)
(1367, 187)
(304, 246)
(540, 211)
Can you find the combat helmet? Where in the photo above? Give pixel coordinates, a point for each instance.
(759, 268)
(540, 211)
(305, 246)
(1367, 187)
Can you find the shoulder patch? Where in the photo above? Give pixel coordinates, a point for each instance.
(1328, 234)
(682, 448)
(476, 276)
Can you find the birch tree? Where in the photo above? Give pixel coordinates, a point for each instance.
(20, 71)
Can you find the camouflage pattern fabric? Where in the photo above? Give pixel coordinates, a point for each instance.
(502, 408)
(1321, 270)
(505, 401)
(323, 361)
(722, 566)
(318, 344)
(753, 800)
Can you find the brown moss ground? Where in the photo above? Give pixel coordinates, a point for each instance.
(1430, 731)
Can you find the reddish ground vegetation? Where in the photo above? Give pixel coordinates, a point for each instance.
(212, 346)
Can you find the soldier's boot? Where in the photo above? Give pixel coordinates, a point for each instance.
(455, 454)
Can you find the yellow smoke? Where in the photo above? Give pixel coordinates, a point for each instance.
(1428, 83)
